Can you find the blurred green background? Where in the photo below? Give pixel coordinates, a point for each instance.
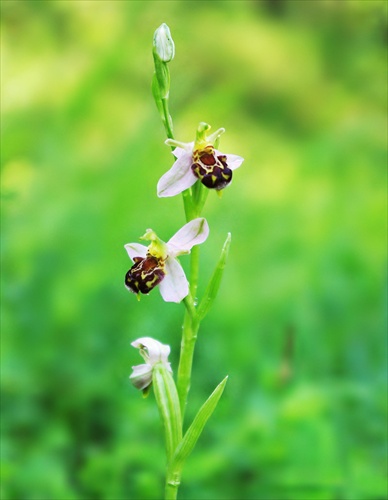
(299, 324)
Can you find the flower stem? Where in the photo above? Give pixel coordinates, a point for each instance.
(189, 334)
(194, 273)
(167, 122)
(172, 484)
(189, 337)
(168, 126)
(193, 201)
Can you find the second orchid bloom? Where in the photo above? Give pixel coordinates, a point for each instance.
(157, 264)
(198, 160)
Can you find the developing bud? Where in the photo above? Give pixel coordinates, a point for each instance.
(153, 352)
(164, 48)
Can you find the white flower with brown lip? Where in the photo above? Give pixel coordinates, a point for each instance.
(157, 264)
(198, 160)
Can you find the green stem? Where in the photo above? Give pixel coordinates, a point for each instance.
(189, 334)
(167, 122)
(173, 480)
(167, 119)
(190, 307)
(189, 337)
(187, 204)
(199, 197)
(194, 273)
(193, 201)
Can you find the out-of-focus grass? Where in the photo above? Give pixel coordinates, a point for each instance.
(299, 324)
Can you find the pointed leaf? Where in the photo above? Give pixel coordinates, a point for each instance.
(215, 281)
(194, 431)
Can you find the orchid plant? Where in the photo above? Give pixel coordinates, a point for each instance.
(198, 168)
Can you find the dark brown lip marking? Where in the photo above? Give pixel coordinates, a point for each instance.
(211, 170)
(145, 274)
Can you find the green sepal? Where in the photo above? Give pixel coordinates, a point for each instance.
(215, 281)
(168, 404)
(192, 434)
(146, 391)
(201, 138)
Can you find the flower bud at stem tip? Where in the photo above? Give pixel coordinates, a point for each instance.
(164, 48)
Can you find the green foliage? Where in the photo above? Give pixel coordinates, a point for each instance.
(196, 427)
(299, 322)
(215, 281)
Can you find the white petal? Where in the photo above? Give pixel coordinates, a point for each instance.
(152, 350)
(178, 152)
(233, 161)
(174, 286)
(164, 353)
(178, 178)
(141, 377)
(192, 233)
(148, 342)
(136, 250)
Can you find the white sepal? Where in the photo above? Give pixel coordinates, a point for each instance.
(174, 287)
(192, 233)
(179, 178)
(136, 250)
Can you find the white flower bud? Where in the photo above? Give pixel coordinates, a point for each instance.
(164, 47)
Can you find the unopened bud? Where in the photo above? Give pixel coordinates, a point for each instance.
(164, 47)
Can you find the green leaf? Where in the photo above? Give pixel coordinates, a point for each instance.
(194, 431)
(215, 281)
(168, 404)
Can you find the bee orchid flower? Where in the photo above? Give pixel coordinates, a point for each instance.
(157, 264)
(198, 160)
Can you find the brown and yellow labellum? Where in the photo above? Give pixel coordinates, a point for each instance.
(211, 170)
(145, 274)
